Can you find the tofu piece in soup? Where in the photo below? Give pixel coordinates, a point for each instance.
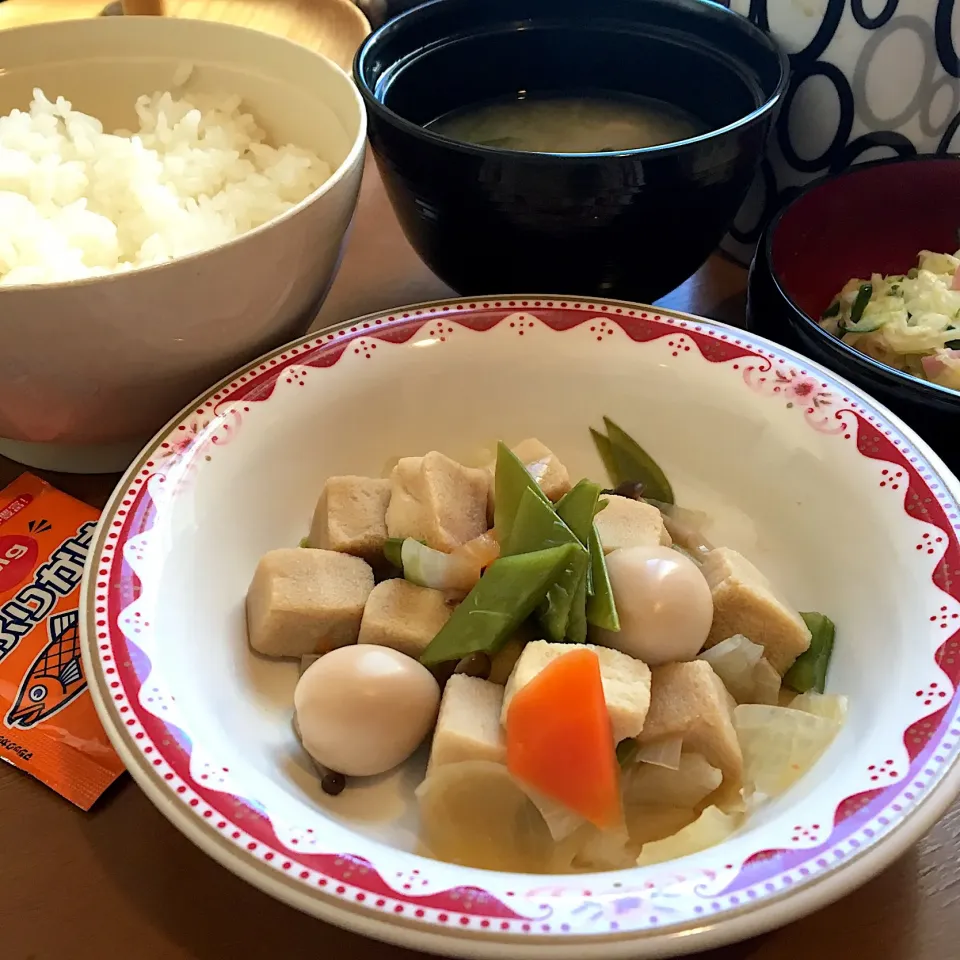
(403, 616)
(437, 500)
(745, 602)
(304, 601)
(689, 700)
(626, 682)
(351, 517)
(624, 522)
(468, 727)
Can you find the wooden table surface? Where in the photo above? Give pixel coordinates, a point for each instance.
(121, 880)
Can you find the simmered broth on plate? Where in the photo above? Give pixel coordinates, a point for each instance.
(563, 124)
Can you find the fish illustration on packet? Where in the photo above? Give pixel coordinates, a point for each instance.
(55, 678)
(49, 726)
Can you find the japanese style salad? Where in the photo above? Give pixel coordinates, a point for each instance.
(909, 321)
(601, 686)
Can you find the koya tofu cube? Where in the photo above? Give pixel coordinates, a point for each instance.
(351, 517)
(544, 466)
(745, 602)
(689, 700)
(624, 522)
(626, 682)
(437, 500)
(401, 615)
(468, 727)
(306, 601)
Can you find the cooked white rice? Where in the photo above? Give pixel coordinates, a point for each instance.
(77, 202)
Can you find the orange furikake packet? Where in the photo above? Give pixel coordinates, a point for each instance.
(48, 725)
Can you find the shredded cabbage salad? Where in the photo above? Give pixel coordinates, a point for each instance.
(909, 321)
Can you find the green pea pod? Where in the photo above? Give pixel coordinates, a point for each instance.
(601, 609)
(536, 527)
(634, 463)
(507, 593)
(626, 751)
(809, 670)
(605, 449)
(511, 480)
(576, 630)
(577, 508)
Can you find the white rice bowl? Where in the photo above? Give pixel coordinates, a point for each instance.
(77, 202)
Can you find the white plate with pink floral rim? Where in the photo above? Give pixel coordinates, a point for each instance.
(840, 503)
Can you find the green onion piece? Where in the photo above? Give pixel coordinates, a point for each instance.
(511, 480)
(601, 609)
(508, 592)
(393, 551)
(860, 304)
(635, 464)
(626, 751)
(809, 670)
(832, 311)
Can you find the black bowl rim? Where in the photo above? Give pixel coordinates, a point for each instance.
(942, 396)
(665, 149)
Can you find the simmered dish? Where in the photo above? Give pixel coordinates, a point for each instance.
(600, 685)
(910, 321)
(557, 124)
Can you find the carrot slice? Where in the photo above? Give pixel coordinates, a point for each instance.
(559, 741)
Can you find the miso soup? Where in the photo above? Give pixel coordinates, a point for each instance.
(561, 124)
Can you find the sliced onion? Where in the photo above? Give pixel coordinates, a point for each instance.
(647, 824)
(440, 571)
(561, 821)
(685, 527)
(766, 683)
(661, 753)
(831, 706)
(734, 661)
(602, 849)
(473, 813)
(482, 550)
(779, 745)
(688, 785)
(713, 826)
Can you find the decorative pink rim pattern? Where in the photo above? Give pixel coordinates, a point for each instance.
(562, 907)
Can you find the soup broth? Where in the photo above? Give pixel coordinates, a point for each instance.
(587, 124)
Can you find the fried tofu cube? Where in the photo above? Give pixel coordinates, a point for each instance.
(745, 602)
(304, 601)
(543, 465)
(401, 615)
(689, 700)
(351, 517)
(624, 522)
(468, 727)
(626, 683)
(437, 500)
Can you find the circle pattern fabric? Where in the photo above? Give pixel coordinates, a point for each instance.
(871, 79)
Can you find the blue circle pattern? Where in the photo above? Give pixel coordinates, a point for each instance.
(843, 152)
